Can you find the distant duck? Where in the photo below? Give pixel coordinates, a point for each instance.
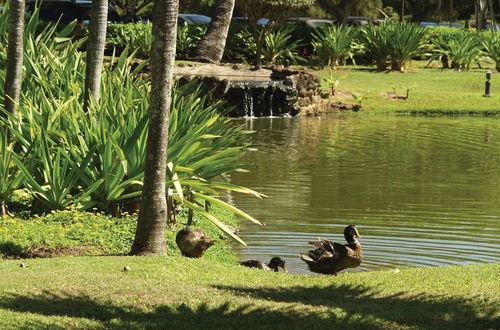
(193, 242)
(273, 265)
(330, 257)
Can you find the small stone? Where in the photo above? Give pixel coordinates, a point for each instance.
(126, 268)
(23, 265)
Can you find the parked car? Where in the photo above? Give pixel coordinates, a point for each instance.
(357, 21)
(451, 25)
(310, 22)
(193, 19)
(428, 24)
(237, 19)
(66, 11)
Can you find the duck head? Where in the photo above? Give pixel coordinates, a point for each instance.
(351, 233)
(276, 263)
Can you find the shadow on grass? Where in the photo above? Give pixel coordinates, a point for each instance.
(174, 316)
(345, 307)
(421, 311)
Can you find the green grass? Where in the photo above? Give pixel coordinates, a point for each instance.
(437, 91)
(175, 292)
(72, 232)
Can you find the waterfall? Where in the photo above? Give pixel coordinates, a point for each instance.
(271, 103)
(248, 102)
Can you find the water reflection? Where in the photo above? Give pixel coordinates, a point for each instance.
(422, 191)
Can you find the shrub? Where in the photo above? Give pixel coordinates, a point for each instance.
(137, 37)
(491, 44)
(333, 44)
(404, 41)
(374, 39)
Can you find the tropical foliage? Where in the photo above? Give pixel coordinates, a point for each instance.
(95, 159)
(491, 44)
(333, 44)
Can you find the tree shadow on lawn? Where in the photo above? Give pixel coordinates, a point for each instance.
(359, 308)
(90, 313)
(421, 311)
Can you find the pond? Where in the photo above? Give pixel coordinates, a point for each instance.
(423, 191)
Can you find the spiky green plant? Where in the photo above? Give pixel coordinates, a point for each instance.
(278, 46)
(404, 41)
(463, 50)
(10, 176)
(333, 44)
(491, 44)
(96, 158)
(374, 39)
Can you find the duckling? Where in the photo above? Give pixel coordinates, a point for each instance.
(193, 242)
(273, 265)
(330, 257)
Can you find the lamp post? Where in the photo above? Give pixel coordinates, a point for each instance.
(487, 84)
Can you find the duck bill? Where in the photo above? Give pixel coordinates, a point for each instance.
(357, 232)
(284, 268)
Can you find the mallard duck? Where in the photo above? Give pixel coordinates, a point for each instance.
(330, 257)
(273, 265)
(193, 242)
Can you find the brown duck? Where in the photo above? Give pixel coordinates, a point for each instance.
(273, 265)
(193, 242)
(330, 257)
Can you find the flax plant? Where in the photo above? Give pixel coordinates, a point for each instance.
(333, 44)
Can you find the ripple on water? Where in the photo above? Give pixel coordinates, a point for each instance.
(423, 191)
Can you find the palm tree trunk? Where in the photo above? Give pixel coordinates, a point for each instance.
(13, 75)
(95, 51)
(150, 233)
(481, 15)
(211, 47)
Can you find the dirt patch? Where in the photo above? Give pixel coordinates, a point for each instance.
(394, 96)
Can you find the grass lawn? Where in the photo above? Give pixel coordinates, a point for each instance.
(176, 292)
(433, 91)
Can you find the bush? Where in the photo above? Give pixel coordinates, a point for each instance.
(333, 44)
(491, 44)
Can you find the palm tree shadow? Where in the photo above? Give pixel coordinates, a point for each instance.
(421, 311)
(362, 308)
(91, 313)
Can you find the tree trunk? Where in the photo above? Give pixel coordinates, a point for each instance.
(95, 51)
(481, 14)
(13, 75)
(211, 47)
(150, 233)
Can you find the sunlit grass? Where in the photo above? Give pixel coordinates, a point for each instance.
(432, 90)
(174, 292)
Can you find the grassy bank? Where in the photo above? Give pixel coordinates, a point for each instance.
(432, 90)
(175, 292)
(72, 232)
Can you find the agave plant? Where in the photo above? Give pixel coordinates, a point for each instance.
(10, 176)
(374, 39)
(463, 50)
(404, 41)
(333, 44)
(278, 47)
(491, 44)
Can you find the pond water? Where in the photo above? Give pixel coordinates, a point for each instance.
(422, 191)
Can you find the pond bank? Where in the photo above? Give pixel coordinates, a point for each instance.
(174, 292)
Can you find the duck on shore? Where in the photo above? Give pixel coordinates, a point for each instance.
(193, 243)
(273, 265)
(330, 257)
